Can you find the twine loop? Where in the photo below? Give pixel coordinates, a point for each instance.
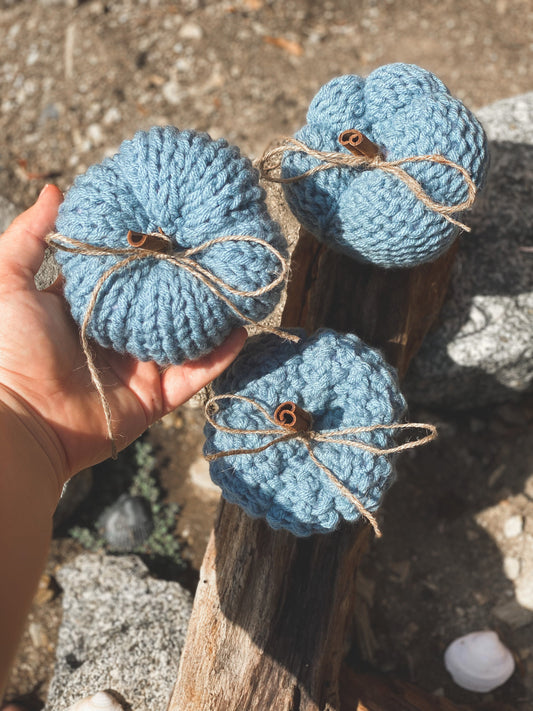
(299, 426)
(271, 160)
(160, 247)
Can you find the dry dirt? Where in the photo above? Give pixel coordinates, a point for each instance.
(78, 77)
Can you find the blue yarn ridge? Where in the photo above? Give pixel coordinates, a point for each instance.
(194, 189)
(343, 383)
(368, 214)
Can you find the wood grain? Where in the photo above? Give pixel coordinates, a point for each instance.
(370, 692)
(273, 614)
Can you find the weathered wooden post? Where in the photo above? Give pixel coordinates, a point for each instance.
(273, 613)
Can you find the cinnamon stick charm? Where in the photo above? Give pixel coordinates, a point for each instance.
(292, 417)
(152, 241)
(358, 144)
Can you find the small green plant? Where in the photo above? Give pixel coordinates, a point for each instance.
(90, 540)
(135, 472)
(162, 541)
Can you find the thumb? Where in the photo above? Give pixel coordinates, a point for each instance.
(22, 245)
(180, 382)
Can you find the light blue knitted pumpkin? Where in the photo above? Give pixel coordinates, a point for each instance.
(194, 189)
(339, 380)
(368, 214)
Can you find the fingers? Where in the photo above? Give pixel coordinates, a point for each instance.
(180, 382)
(22, 245)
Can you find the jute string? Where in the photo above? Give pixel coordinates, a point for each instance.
(271, 160)
(310, 437)
(181, 260)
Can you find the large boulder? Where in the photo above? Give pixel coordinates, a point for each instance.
(121, 630)
(481, 351)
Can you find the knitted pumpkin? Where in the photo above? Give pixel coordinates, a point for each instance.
(340, 383)
(371, 214)
(193, 190)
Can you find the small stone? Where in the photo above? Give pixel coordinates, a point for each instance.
(127, 523)
(46, 590)
(95, 134)
(511, 567)
(155, 80)
(184, 64)
(97, 7)
(191, 31)
(172, 92)
(513, 526)
(37, 635)
(49, 113)
(32, 56)
(513, 614)
(111, 116)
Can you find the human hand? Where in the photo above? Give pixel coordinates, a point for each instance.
(43, 366)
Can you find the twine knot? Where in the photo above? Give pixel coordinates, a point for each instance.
(158, 246)
(291, 422)
(366, 154)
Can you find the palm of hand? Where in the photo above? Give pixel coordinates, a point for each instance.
(42, 362)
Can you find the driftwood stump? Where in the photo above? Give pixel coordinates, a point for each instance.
(273, 614)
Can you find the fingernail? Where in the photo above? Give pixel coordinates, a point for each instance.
(42, 191)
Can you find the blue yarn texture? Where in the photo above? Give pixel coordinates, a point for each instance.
(368, 214)
(342, 383)
(194, 189)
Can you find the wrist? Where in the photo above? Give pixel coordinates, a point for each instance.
(25, 431)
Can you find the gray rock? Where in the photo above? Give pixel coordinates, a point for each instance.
(121, 630)
(127, 523)
(482, 349)
(48, 272)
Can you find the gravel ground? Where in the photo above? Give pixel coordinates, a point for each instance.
(79, 77)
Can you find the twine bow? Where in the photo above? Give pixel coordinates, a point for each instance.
(371, 160)
(158, 246)
(291, 422)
